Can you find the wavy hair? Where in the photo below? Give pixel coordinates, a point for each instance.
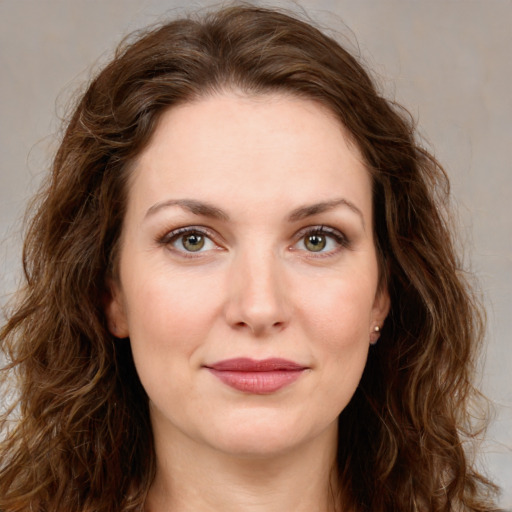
(78, 438)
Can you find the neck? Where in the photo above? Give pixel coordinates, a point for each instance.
(202, 479)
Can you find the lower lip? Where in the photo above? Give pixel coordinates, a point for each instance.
(260, 383)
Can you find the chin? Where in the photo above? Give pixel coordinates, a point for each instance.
(264, 437)
(254, 445)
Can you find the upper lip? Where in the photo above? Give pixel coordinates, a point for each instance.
(245, 364)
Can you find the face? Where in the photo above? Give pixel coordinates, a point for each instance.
(248, 277)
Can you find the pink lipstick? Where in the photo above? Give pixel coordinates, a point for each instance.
(257, 377)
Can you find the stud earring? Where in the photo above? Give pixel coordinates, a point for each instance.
(374, 335)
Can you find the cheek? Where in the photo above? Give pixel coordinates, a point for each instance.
(339, 312)
(168, 318)
(338, 322)
(169, 321)
(343, 342)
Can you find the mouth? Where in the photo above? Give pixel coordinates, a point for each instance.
(259, 377)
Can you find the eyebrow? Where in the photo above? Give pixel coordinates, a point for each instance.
(208, 210)
(314, 209)
(193, 206)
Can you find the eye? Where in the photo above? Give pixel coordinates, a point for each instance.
(315, 242)
(189, 240)
(321, 239)
(192, 242)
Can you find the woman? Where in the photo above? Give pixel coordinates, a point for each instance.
(241, 291)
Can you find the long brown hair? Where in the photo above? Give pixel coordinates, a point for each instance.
(82, 439)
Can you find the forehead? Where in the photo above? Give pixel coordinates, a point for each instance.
(251, 147)
(207, 118)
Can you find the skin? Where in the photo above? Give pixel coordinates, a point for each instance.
(255, 289)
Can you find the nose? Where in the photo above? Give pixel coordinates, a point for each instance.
(257, 299)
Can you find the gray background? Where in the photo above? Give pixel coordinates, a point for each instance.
(448, 61)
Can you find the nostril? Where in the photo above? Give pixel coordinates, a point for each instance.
(259, 328)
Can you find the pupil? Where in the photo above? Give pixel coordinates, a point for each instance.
(315, 243)
(193, 242)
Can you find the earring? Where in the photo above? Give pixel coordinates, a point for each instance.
(374, 335)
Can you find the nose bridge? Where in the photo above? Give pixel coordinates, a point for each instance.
(257, 298)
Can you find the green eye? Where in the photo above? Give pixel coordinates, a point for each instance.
(192, 242)
(188, 240)
(315, 242)
(322, 240)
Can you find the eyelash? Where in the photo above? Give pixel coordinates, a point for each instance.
(340, 239)
(172, 236)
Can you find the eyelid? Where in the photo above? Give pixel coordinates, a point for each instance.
(174, 233)
(339, 237)
(171, 235)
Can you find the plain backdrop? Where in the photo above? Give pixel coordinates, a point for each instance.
(448, 61)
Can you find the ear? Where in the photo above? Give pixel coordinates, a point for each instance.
(381, 305)
(115, 311)
(380, 311)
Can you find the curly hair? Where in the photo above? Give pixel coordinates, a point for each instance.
(78, 437)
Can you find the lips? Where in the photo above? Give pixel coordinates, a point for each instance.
(257, 376)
